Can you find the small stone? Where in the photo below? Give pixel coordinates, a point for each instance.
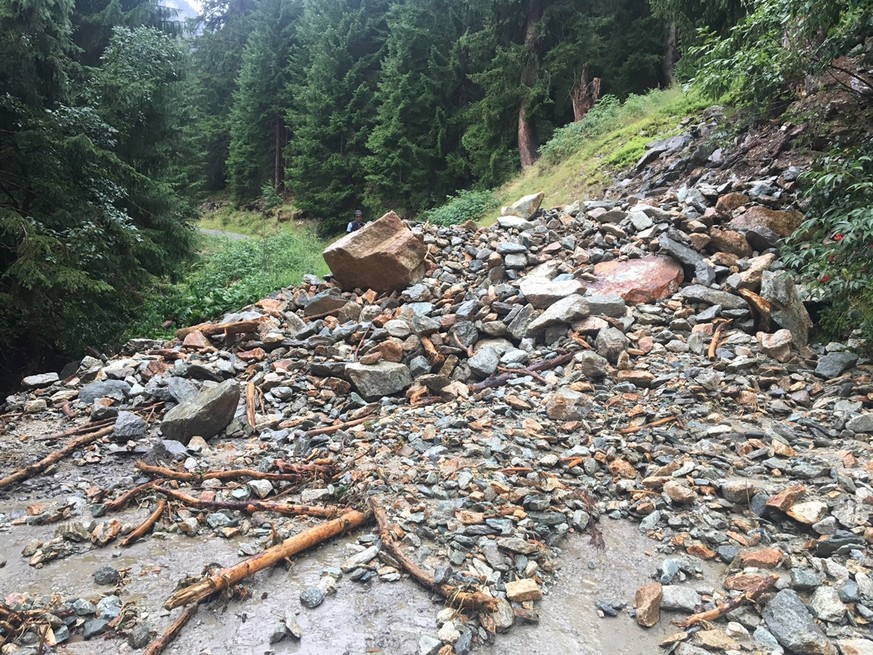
(827, 604)
(261, 488)
(789, 620)
(94, 627)
(808, 513)
(448, 633)
(855, 646)
(106, 575)
(522, 590)
(360, 559)
(427, 645)
(679, 598)
(648, 604)
(862, 423)
(764, 558)
(139, 636)
(312, 597)
(678, 492)
(833, 365)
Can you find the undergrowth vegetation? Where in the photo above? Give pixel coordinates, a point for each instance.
(833, 248)
(230, 275)
(464, 206)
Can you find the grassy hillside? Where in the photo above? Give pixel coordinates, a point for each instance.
(581, 158)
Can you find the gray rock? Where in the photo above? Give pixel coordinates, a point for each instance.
(833, 365)
(862, 423)
(428, 645)
(381, 379)
(567, 310)
(524, 207)
(592, 365)
(312, 597)
(789, 620)
(94, 627)
(139, 637)
(679, 598)
(804, 579)
(684, 254)
(700, 293)
(827, 604)
(484, 362)
(205, 415)
(325, 303)
(606, 304)
(106, 575)
(542, 292)
(610, 343)
(115, 389)
(181, 389)
(516, 222)
(41, 380)
(129, 426)
(787, 309)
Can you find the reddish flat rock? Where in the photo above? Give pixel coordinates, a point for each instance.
(639, 280)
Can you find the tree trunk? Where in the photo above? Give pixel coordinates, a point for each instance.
(527, 136)
(670, 53)
(585, 93)
(279, 163)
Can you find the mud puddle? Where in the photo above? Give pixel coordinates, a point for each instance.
(370, 618)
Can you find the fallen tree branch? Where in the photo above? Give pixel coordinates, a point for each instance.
(723, 608)
(158, 645)
(228, 577)
(473, 600)
(54, 457)
(251, 416)
(250, 506)
(500, 380)
(653, 424)
(716, 337)
(298, 471)
(236, 327)
(125, 498)
(340, 426)
(79, 429)
(146, 525)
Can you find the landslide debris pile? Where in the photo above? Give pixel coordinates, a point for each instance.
(642, 359)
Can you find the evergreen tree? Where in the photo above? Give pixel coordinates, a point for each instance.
(334, 105)
(415, 144)
(257, 118)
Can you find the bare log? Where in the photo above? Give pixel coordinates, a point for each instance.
(473, 600)
(251, 416)
(723, 608)
(146, 525)
(297, 472)
(503, 378)
(339, 426)
(158, 645)
(78, 429)
(228, 577)
(236, 327)
(250, 506)
(54, 457)
(653, 424)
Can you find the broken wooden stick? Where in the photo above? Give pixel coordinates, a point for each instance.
(653, 424)
(78, 429)
(158, 645)
(38, 467)
(251, 416)
(146, 525)
(125, 498)
(503, 378)
(716, 337)
(250, 506)
(723, 608)
(236, 327)
(297, 471)
(473, 600)
(340, 426)
(228, 577)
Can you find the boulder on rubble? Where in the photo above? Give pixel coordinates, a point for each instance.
(377, 380)
(383, 255)
(524, 207)
(643, 280)
(204, 415)
(787, 308)
(764, 227)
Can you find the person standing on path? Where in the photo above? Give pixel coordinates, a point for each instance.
(357, 223)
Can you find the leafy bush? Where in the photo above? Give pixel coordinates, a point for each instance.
(237, 274)
(833, 249)
(768, 53)
(465, 206)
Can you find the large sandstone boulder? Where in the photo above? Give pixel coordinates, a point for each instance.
(204, 415)
(524, 207)
(383, 255)
(764, 227)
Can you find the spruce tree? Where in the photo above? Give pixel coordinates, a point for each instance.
(334, 105)
(415, 158)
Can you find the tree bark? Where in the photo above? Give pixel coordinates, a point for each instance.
(585, 93)
(226, 578)
(670, 54)
(527, 133)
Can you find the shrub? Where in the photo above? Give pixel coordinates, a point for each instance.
(568, 139)
(465, 206)
(833, 248)
(238, 273)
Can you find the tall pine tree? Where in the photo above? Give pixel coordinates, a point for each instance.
(334, 105)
